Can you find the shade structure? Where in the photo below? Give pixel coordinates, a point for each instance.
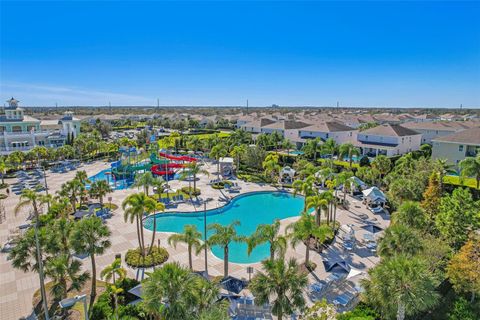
(337, 266)
(202, 274)
(136, 291)
(353, 273)
(374, 194)
(232, 284)
(372, 228)
(80, 214)
(355, 181)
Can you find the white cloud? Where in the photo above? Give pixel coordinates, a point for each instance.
(47, 95)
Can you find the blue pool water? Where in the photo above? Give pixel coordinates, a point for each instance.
(250, 209)
(297, 152)
(119, 184)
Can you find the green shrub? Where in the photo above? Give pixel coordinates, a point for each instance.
(195, 192)
(3, 185)
(462, 310)
(134, 258)
(102, 310)
(360, 312)
(364, 161)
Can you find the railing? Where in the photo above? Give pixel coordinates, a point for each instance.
(40, 132)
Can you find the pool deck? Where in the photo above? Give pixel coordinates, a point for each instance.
(18, 287)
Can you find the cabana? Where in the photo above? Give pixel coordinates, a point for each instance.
(372, 228)
(287, 174)
(374, 196)
(338, 266)
(232, 284)
(226, 166)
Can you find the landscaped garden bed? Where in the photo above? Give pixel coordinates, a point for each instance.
(134, 257)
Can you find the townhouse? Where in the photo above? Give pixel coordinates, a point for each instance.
(457, 146)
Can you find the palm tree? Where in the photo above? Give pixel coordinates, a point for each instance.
(30, 198)
(160, 185)
(223, 236)
(144, 180)
(318, 203)
(109, 273)
(193, 169)
(90, 236)
(343, 180)
(312, 147)
(218, 151)
(348, 150)
(3, 169)
(382, 164)
(303, 230)
(324, 174)
(399, 239)
(268, 233)
(72, 189)
(191, 237)
(281, 285)
(271, 166)
(304, 187)
(443, 168)
(82, 177)
(401, 286)
(237, 153)
(169, 292)
(470, 167)
(66, 275)
(99, 189)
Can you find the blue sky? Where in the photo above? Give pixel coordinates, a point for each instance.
(222, 53)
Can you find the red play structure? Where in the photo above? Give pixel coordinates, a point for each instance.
(166, 169)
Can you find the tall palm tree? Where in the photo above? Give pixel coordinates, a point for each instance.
(348, 150)
(470, 167)
(144, 180)
(191, 237)
(443, 168)
(169, 292)
(382, 164)
(109, 273)
(160, 185)
(193, 169)
(218, 151)
(72, 189)
(268, 233)
(237, 152)
(65, 274)
(281, 285)
(343, 180)
(330, 147)
(271, 166)
(401, 286)
(399, 239)
(90, 236)
(304, 187)
(3, 169)
(82, 177)
(30, 198)
(303, 230)
(223, 236)
(99, 189)
(324, 174)
(312, 147)
(318, 203)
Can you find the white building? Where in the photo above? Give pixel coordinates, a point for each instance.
(330, 129)
(389, 140)
(457, 146)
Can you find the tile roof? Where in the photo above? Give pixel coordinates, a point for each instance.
(469, 136)
(390, 130)
(328, 126)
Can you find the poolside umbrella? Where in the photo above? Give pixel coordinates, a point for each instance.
(232, 284)
(80, 214)
(353, 273)
(372, 228)
(136, 291)
(340, 265)
(202, 274)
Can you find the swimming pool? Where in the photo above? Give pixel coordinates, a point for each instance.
(106, 174)
(250, 209)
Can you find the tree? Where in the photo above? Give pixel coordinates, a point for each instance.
(458, 215)
(382, 164)
(30, 198)
(426, 149)
(470, 167)
(174, 285)
(431, 199)
(65, 274)
(268, 233)
(193, 169)
(348, 150)
(271, 166)
(329, 147)
(304, 187)
(321, 310)
(3, 169)
(281, 285)
(312, 147)
(303, 230)
(400, 286)
(319, 203)
(72, 189)
(191, 237)
(109, 273)
(218, 151)
(237, 152)
(399, 239)
(90, 236)
(137, 205)
(99, 189)
(462, 310)
(442, 167)
(463, 270)
(411, 215)
(223, 236)
(144, 180)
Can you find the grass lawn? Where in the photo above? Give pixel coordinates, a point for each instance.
(202, 136)
(341, 163)
(469, 182)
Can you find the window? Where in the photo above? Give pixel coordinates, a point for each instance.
(16, 129)
(460, 148)
(326, 135)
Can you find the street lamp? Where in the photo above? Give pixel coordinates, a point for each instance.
(205, 234)
(69, 302)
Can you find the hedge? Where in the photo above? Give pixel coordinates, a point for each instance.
(134, 258)
(190, 190)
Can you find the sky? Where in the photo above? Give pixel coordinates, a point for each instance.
(382, 54)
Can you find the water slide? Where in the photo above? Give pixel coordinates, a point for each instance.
(119, 170)
(155, 160)
(177, 158)
(166, 169)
